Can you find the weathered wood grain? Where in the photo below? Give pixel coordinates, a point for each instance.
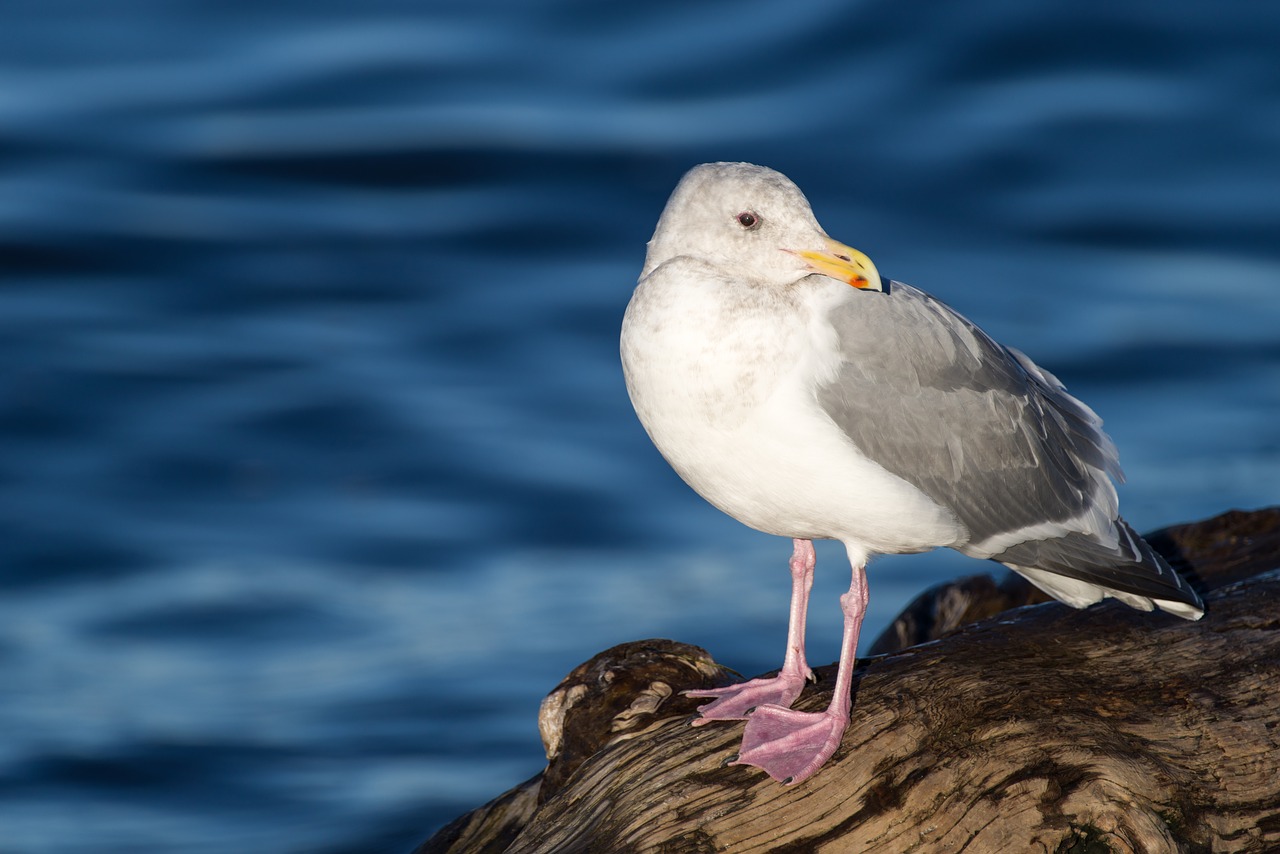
(1036, 729)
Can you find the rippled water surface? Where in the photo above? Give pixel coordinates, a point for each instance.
(319, 471)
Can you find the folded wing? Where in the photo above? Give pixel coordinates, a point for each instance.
(985, 432)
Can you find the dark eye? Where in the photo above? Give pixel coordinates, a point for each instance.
(748, 220)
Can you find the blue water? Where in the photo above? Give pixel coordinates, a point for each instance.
(318, 468)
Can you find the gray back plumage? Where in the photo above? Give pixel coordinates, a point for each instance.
(986, 433)
(934, 400)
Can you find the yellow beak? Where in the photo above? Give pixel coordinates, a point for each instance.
(843, 263)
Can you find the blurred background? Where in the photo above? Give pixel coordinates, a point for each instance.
(318, 468)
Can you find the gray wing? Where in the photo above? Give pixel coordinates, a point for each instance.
(983, 431)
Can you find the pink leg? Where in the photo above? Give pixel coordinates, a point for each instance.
(736, 701)
(790, 745)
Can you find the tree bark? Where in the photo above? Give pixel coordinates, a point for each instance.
(1034, 729)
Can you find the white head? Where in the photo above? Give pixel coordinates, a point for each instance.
(756, 222)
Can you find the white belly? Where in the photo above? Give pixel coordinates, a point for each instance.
(731, 406)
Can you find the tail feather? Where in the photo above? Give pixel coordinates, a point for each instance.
(1081, 569)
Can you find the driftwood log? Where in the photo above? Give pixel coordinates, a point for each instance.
(977, 728)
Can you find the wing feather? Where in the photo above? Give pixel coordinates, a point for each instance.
(988, 434)
(976, 426)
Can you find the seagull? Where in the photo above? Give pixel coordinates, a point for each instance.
(800, 392)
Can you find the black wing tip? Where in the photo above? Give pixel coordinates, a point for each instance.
(1137, 570)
